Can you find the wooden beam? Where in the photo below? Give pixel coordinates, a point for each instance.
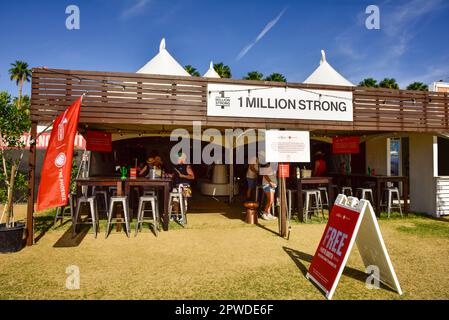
(31, 188)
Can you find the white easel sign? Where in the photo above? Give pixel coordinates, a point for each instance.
(350, 221)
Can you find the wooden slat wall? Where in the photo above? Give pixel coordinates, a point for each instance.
(118, 98)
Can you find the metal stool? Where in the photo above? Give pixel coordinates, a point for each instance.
(310, 195)
(105, 196)
(177, 195)
(61, 211)
(390, 192)
(347, 191)
(112, 191)
(362, 193)
(323, 191)
(116, 200)
(92, 205)
(154, 211)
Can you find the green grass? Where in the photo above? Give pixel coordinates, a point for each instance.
(426, 229)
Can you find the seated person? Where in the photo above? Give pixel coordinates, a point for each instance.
(152, 162)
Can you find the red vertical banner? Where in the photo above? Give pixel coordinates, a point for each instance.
(57, 166)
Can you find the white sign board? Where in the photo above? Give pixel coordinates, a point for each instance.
(279, 103)
(287, 146)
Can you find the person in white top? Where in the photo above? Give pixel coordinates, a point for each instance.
(251, 177)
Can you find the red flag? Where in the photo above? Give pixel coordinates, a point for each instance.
(55, 175)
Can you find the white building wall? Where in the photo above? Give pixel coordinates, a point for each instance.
(422, 168)
(377, 155)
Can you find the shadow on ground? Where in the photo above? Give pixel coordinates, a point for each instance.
(298, 257)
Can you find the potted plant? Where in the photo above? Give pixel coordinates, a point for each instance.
(14, 121)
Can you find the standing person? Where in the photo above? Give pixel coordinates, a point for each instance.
(251, 177)
(320, 165)
(269, 185)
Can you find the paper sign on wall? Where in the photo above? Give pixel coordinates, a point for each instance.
(348, 224)
(287, 146)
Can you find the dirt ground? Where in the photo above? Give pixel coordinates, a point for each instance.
(218, 256)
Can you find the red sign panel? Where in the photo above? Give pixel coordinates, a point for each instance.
(99, 141)
(284, 170)
(331, 252)
(345, 145)
(55, 174)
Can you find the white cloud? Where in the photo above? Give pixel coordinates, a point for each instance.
(135, 9)
(264, 31)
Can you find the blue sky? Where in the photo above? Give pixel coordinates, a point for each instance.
(122, 35)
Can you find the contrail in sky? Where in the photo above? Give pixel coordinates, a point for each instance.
(264, 31)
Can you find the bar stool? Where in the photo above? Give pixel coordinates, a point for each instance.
(112, 191)
(363, 193)
(61, 211)
(92, 205)
(311, 195)
(123, 200)
(323, 191)
(290, 202)
(152, 200)
(347, 191)
(104, 195)
(390, 193)
(174, 197)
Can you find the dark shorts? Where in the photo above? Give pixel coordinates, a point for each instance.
(251, 183)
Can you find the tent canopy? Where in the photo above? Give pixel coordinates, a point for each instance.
(163, 64)
(211, 73)
(326, 74)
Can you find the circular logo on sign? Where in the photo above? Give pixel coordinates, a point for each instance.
(60, 160)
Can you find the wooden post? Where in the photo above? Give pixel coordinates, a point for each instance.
(31, 189)
(283, 208)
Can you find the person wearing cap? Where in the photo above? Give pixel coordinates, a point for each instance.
(319, 165)
(152, 162)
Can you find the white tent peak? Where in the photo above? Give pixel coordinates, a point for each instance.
(211, 73)
(326, 74)
(163, 64)
(323, 56)
(162, 45)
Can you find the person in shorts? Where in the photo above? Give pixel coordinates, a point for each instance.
(269, 185)
(251, 177)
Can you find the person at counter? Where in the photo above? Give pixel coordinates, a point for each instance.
(183, 176)
(320, 168)
(155, 162)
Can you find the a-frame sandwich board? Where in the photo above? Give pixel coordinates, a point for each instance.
(350, 221)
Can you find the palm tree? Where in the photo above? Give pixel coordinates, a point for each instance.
(419, 86)
(20, 74)
(253, 75)
(192, 71)
(276, 77)
(389, 83)
(222, 70)
(368, 83)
